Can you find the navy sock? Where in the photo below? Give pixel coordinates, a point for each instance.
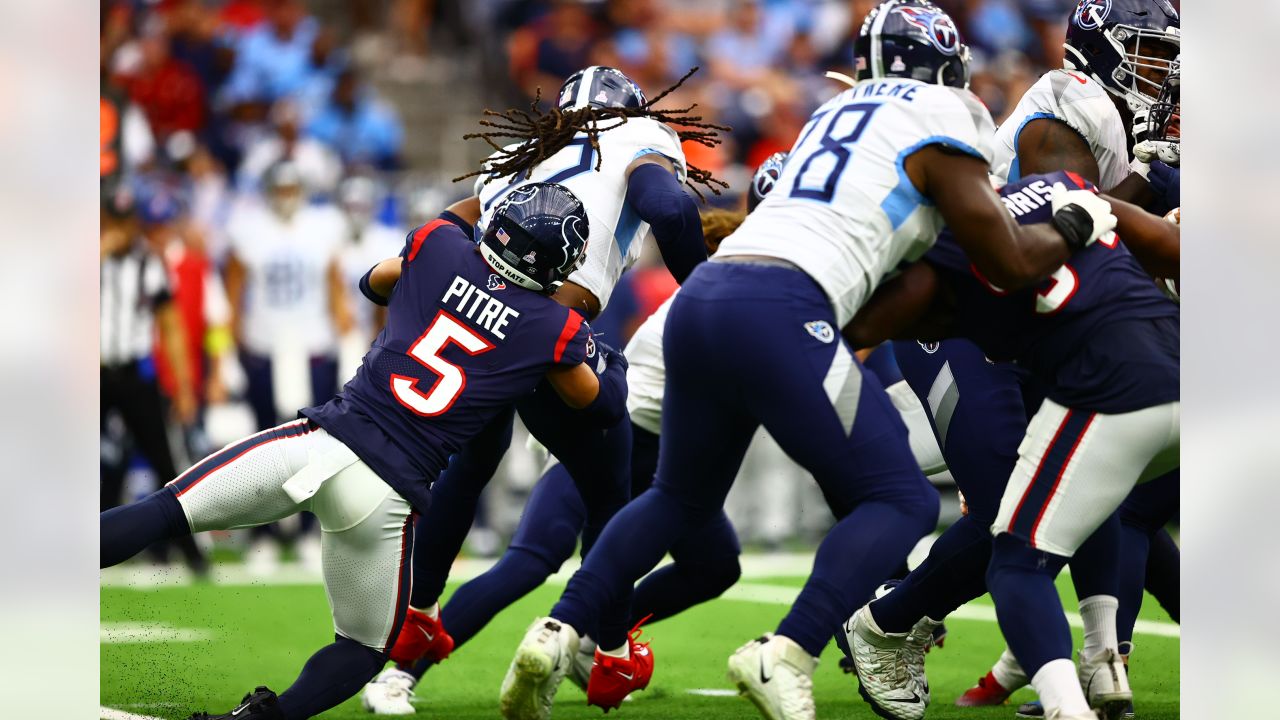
(335, 673)
(473, 605)
(1095, 568)
(1020, 579)
(953, 574)
(630, 546)
(857, 555)
(127, 530)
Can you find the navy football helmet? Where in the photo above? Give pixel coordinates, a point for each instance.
(600, 86)
(1127, 45)
(1164, 123)
(912, 39)
(537, 236)
(765, 178)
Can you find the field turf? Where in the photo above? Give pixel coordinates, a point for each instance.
(169, 651)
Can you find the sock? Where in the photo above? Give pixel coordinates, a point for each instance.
(883, 534)
(1020, 579)
(1059, 688)
(336, 672)
(951, 575)
(620, 652)
(126, 530)
(1009, 673)
(433, 612)
(1099, 615)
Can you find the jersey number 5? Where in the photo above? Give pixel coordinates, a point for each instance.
(444, 329)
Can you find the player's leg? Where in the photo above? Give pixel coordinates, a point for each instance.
(367, 542)
(238, 486)
(1074, 470)
(1143, 515)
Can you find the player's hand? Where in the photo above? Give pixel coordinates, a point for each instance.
(610, 356)
(1166, 183)
(1149, 151)
(1081, 216)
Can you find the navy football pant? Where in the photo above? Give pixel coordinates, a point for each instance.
(1149, 557)
(979, 412)
(750, 345)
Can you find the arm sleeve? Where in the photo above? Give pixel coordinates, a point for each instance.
(367, 290)
(656, 196)
(610, 405)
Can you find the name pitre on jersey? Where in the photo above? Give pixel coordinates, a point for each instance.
(844, 204)
(1084, 105)
(618, 235)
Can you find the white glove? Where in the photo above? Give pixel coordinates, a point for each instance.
(1169, 153)
(1081, 216)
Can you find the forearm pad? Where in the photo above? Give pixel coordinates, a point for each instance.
(656, 196)
(610, 405)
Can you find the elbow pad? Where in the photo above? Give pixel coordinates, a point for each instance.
(656, 196)
(610, 405)
(367, 290)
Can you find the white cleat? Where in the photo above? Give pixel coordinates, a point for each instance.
(391, 693)
(540, 664)
(918, 642)
(776, 675)
(1057, 715)
(580, 667)
(1106, 684)
(883, 661)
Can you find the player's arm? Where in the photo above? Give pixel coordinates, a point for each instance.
(1009, 255)
(911, 305)
(377, 284)
(602, 397)
(1154, 241)
(339, 310)
(467, 210)
(173, 338)
(654, 192)
(1048, 145)
(234, 280)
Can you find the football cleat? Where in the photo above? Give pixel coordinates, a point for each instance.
(261, 704)
(421, 637)
(1057, 715)
(535, 673)
(776, 675)
(918, 642)
(1031, 709)
(1106, 684)
(614, 678)
(987, 692)
(580, 667)
(887, 678)
(390, 693)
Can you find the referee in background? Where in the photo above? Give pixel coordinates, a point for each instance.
(136, 302)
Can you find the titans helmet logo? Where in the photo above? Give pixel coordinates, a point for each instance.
(1090, 14)
(939, 28)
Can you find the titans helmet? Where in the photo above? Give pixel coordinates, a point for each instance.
(537, 236)
(912, 39)
(600, 86)
(1126, 45)
(765, 178)
(1164, 122)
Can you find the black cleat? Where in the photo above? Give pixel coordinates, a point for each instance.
(261, 704)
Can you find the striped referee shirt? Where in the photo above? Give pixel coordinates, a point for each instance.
(132, 286)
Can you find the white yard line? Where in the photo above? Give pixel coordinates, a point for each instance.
(712, 692)
(106, 713)
(154, 632)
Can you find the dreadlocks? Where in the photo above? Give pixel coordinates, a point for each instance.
(545, 134)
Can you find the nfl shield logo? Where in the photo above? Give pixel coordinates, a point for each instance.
(531, 257)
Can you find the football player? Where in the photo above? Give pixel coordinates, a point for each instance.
(705, 565)
(872, 178)
(470, 328)
(1096, 435)
(607, 144)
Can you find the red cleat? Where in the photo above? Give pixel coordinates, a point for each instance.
(613, 678)
(421, 637)
(986, 692)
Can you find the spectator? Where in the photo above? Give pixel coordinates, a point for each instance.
(552, 47)
(273, 58)
(364, 130)
(166, 88)
(315, 159)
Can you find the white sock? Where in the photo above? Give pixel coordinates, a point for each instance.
(623, 652)
(1008, 672)
(1059, 688)
(586, 644)
(432, 612)
(1099, 615)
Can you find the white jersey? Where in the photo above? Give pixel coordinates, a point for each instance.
(376, 243)
(844, 210)
(618, 235)
(286, 295)
(646, 371)
(1082, 104)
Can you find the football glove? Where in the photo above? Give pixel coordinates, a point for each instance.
(1080, 216)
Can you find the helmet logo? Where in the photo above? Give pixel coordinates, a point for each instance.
(939, 28)
(566, 96)
(602, 97)
(1090, 14)
(503, 237)
(530, 257)
(929, 347)
(765, 181)
(898, 65)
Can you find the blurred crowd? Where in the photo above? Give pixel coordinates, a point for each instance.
(257, 156)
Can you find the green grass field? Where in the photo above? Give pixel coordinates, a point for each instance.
(169, 651)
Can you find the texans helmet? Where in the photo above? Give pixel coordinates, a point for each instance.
(537, 236)
(1164, 123)
(765, 178)
(1126, 45)
(600, 86)
(912, 39)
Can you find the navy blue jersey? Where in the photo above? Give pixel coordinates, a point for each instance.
(1098, 334)
(460, 345)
